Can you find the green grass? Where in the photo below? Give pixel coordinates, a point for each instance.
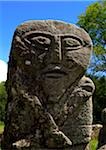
(93, 144)
(1, 127)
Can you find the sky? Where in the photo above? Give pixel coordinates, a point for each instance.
(13, 13)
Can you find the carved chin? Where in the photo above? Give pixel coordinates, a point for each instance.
(54, 85)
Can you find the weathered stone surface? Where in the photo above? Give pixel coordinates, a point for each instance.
(102, 133)
(102, 147)
(95, 130)
(49, 98)
(103, 116)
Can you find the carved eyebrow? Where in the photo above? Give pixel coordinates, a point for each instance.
(31, 34)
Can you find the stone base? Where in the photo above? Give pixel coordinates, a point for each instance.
(80, 147)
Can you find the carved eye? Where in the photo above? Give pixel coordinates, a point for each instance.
(71, 43)
(40, 40)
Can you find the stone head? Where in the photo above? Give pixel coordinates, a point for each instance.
(52, 52)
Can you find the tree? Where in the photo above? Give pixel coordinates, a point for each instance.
(99, 97)
(94, 22)
(3, 100)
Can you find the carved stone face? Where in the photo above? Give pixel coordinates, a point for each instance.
(47, 93)
(53, 52)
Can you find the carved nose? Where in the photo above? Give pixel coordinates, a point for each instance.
(57, 51)
(57, 54)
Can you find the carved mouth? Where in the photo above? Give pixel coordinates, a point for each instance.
(56, 73)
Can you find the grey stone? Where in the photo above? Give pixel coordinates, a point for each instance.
(103, 116)
(102, 147)
(95, 130)
(49, 98)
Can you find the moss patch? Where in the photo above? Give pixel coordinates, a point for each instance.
(1, 127)
(93, 144)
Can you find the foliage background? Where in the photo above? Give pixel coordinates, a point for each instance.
(94, 22)
(3, 100)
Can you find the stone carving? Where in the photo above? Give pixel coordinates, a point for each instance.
(102, 147)
(49, 98)
(102, 133)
